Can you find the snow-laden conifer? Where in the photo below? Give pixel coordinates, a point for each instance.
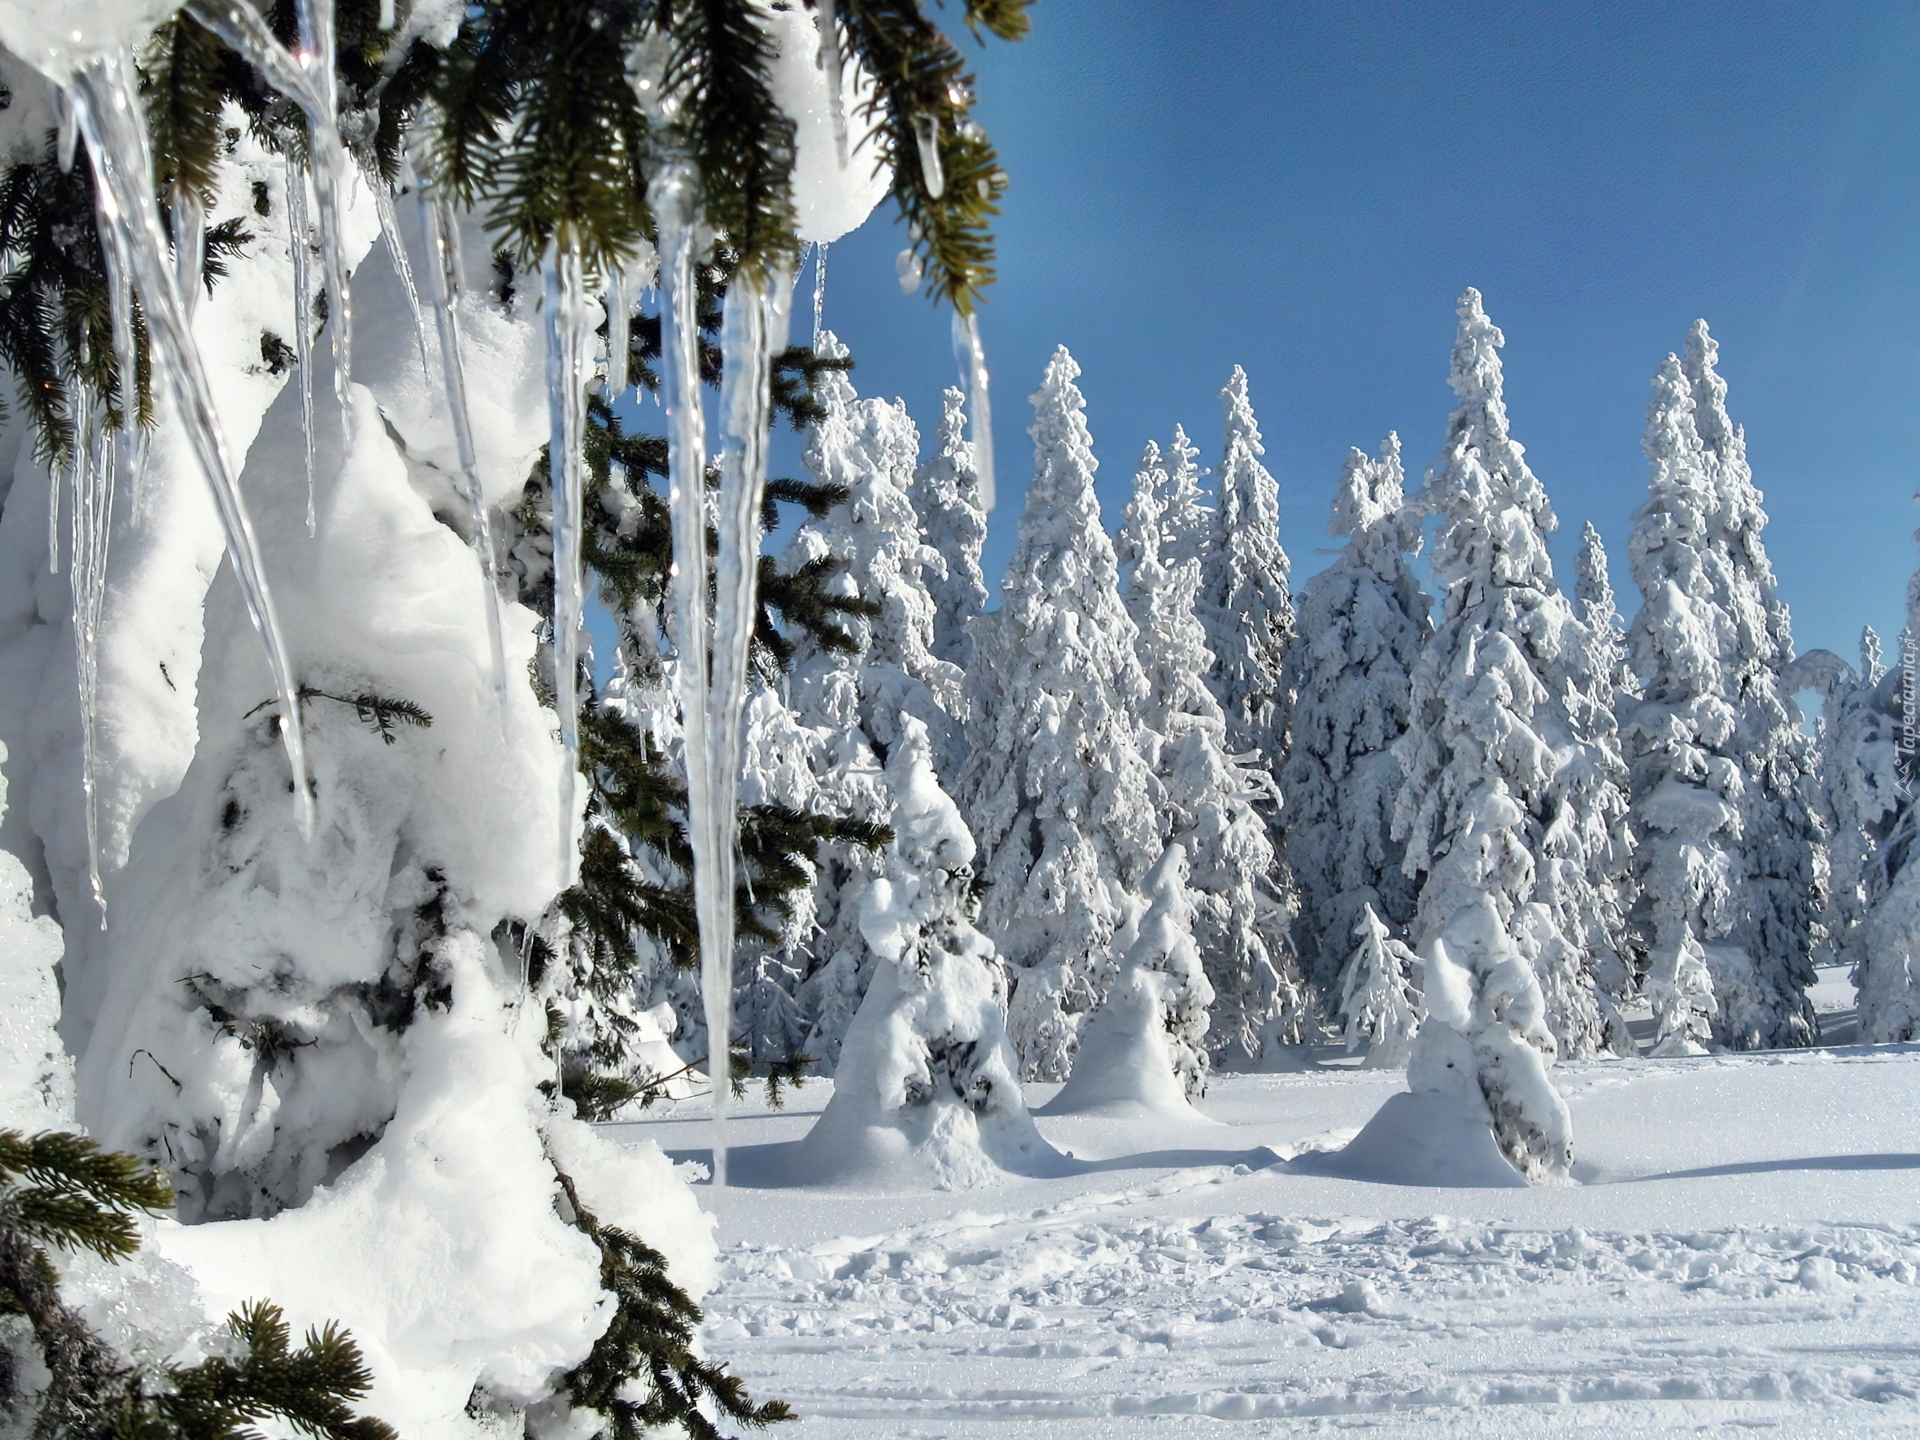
(1245, 602)
(1145, 1047)
(1869, 777)
(1484, 814)
(1056, 788)
(1593, 598)
(1362, 622)
(1762, 979)
(1379, 995)
(947, 495)
(1680, 990)
(1186, 520)
(1687, 787)
(858, 694)
(1209, 798)
(927, 1079)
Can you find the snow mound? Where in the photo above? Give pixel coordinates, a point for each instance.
(36, 1077)
(1125, 1066)
(878, 1134)
(1420, 1138)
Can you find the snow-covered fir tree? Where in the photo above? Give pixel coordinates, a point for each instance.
(1057, 790)
(1761, 979)
(1594, 603)
(1186, 520)
(858, 692)
(1362, 622)
(1379, 994)
(1687, 787)
(1680, 991)
(1240, 914)
(1145, 1047)
(1245, 602)
(1496, 769)
(946, 492)
(1869, 777)
(926, 1074)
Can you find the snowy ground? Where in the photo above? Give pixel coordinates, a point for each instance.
(1741, 1250)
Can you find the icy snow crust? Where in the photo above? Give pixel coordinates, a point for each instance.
(1740, 1247)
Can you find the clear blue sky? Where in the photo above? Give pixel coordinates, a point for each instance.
(1304, 189)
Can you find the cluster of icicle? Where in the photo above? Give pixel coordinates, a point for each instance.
(100, 104)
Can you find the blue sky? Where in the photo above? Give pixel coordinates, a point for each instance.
(1304, 189)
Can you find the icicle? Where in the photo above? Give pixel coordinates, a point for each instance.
(403, 267)
(298, 228)
(331, 178)
(68, 132)
(926, 135)
(53, 501)
(442, 243)
(819, 290)
(386, 14)
(830, 62)
(189, 249)
(92, 515)
(623, 293)
(105, 97)
(710, 793)
(972, 358)
(569, 365)
(309, 81)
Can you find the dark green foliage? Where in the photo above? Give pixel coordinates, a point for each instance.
(652, 1337)
(63, 1190)
(228, 238)
(276, 354)
(185, 72)
(379, 713)
(539, 118)
(56, 323)
(312, 1388)
(919, 80)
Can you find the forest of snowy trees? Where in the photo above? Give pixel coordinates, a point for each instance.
(341, 888)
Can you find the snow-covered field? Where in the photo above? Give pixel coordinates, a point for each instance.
(1740, 1250)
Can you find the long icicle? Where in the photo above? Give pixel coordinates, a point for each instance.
(189, 249)
(402, 266)
(754, 326)
(104, 94)
(442, 240)
(710, 821)
(569, 361)
(971, 356)
(831, 64)
(298, 229)
(310, 82)
(92, 515)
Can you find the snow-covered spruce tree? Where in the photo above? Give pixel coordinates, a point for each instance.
(927, 1079)
(946, 493)
(1362, 621)
(1869, 777)
(308, 1019)
(1186, 520)
(1687, 787)
(1594, 603)
(1144, 1047)
(1208, 797)
(1499, 796)
(1057, 791)
(1379, 996)
(859, 696)
(1761, 979)
(1245, 602)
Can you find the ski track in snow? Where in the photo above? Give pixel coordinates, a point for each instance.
(1122, 1309)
